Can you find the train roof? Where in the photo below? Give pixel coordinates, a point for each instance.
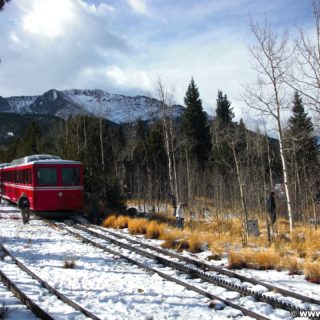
(4, 165)
(38, 159)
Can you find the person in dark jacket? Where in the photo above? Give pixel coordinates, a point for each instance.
(271, 207)
(24, 205)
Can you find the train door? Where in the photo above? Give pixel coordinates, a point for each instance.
(46, 185)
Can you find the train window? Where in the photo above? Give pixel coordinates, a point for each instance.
(26, 176)
(47, 176)
(29, 176)
(70, 176)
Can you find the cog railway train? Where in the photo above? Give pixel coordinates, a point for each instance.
(52, 184)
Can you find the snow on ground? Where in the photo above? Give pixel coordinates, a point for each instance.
(283, 279)
(105, 285)
(110, 287)
(14, 307)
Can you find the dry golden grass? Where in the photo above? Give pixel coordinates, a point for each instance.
(109, 222)
(137, 226)
(196, 243)
(237, 260)
(265, 260)
(312, 271)
(171, 238)
(121, 222)
(293, 264)
(154, 230)
(217, 249)
(248, 258)
(288, 251)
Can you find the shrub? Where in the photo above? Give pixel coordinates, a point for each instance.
(292, 264)
(4, 311)
(182, 244)
(109, 222)
(196, 244)
(137, 226)
(217, 251)
(69, 264)
(265, 260)
(261, 260)
(172, 239)
(121, 222)
(154, 230)
(312, 271)
(237, 260)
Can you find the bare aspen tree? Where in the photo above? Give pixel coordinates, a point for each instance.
(241, 182)
(165, 98)
(305, 76)
(272, 62)
(101, 116)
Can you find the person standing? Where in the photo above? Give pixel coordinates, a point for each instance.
(271, 207)
(24, 205)
(180, 215)
(272, 214)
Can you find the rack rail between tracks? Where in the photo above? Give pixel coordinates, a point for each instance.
(194, 272)
(163, 261)
(207, 267)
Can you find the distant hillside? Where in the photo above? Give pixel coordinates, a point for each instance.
(13, 125)
(114, 107)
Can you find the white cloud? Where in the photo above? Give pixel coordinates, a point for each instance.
(49, 18)
(122, 78)
(102, 44)
(139, 6)
(45, 44)
(102, 8)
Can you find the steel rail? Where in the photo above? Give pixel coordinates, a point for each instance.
(276, 303)
(52, 290)
(208, 267)
(163, 275)
(38, 311)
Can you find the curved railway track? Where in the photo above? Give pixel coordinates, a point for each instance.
(145, 266)
(208, 267)
(195, 272)
(196, 269)
(31, 304)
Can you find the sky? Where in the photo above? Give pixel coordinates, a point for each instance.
(125, 46)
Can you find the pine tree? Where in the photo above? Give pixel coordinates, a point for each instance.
(2, 3)
(223, 133)
(303, 159)
(224, 113)
(301, 134)
(195, 126)
(300, 137)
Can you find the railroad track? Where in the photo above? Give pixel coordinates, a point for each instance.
(10, 270)
(194, 272)
(208, 267)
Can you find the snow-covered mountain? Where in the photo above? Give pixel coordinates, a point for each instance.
(114, 107)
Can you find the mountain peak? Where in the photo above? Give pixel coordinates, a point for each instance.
(114, 107)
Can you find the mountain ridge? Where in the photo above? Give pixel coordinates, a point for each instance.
(65, 103)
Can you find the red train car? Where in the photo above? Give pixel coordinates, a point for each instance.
(51, 183)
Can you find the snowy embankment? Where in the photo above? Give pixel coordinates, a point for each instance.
(282, 279)
(108, 286)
